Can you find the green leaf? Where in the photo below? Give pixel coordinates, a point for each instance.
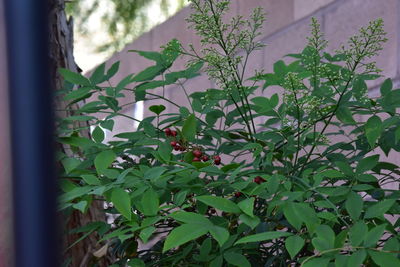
(373, 129)
(182, 234)
(298, 213)
(379, 208)
(357, 233)
(236, 259)
(79, 93)
(98, 134)
(189, 127)
(154, 173)
(165, 151)
(367, 164)
(220, 203)
(386, 86)
(247, 206)
(220, 234)
(157, 109)
(136, 263)
(384, 259)
(217, 262)
(74, 77)
(112, 71)
(122, 202)
(250, 221)
(70, 164)
(103, 160)
(149, 73)
(317, 262)
(357, 258)
(344, 115)
(91, 179)
(150, 203)
(81, 206)
(354, 205)
(190, 217)
(262, 237)
(325, 239)
(98, 74)
(108, 124)
(146, 233)
(293, 245)
(373, 236)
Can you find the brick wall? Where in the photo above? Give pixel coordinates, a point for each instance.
(284, 32)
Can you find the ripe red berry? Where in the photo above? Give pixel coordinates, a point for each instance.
(259, 180)
(174, 133)
(196, 159)
(205, 158)
(217, 160)
(177, 147)
(173, 143)
(238, 194)
(167, 131)
(197, 153)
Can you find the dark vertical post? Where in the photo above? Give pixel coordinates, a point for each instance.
(34, 183)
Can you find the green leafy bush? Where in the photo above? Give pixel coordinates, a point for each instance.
(239, 178)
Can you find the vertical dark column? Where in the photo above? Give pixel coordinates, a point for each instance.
(34, 182)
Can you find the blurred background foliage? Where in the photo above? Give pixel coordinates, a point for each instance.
(103, 27)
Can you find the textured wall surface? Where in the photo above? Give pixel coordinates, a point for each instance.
(285, 31)
(5, 169)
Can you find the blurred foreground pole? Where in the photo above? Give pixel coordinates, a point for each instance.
(5, 163)
(34, 182)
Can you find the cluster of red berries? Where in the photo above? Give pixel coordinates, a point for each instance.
(180, 146)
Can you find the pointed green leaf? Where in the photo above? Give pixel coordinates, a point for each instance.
(262, 237)
(122, 202)
(247, 206)
(354, 205)
(373, 129)
(182, 234)
(74, 77)
(293, 245)
(236, 259)
(98, 135)
(220, 234)
(189, 127)
(220, 203)
(150, 203)
(379, 208)
(104, 159)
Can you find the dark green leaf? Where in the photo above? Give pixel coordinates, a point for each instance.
(294, 244)
(74, 77)
(182, 234)
(262, 237)
(189, 128)
(373, 129)
(220, 203)
(122, 202)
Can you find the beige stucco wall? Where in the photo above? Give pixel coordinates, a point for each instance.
(5, 168)
(285, 31)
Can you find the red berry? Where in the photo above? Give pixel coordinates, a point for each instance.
(205, 158)
(167, 131)
(197, 153)
(259, 180)
(238, 194)
(174, 133)
(177, 147)
(196, 159)
(217, 160)
(173, 143)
